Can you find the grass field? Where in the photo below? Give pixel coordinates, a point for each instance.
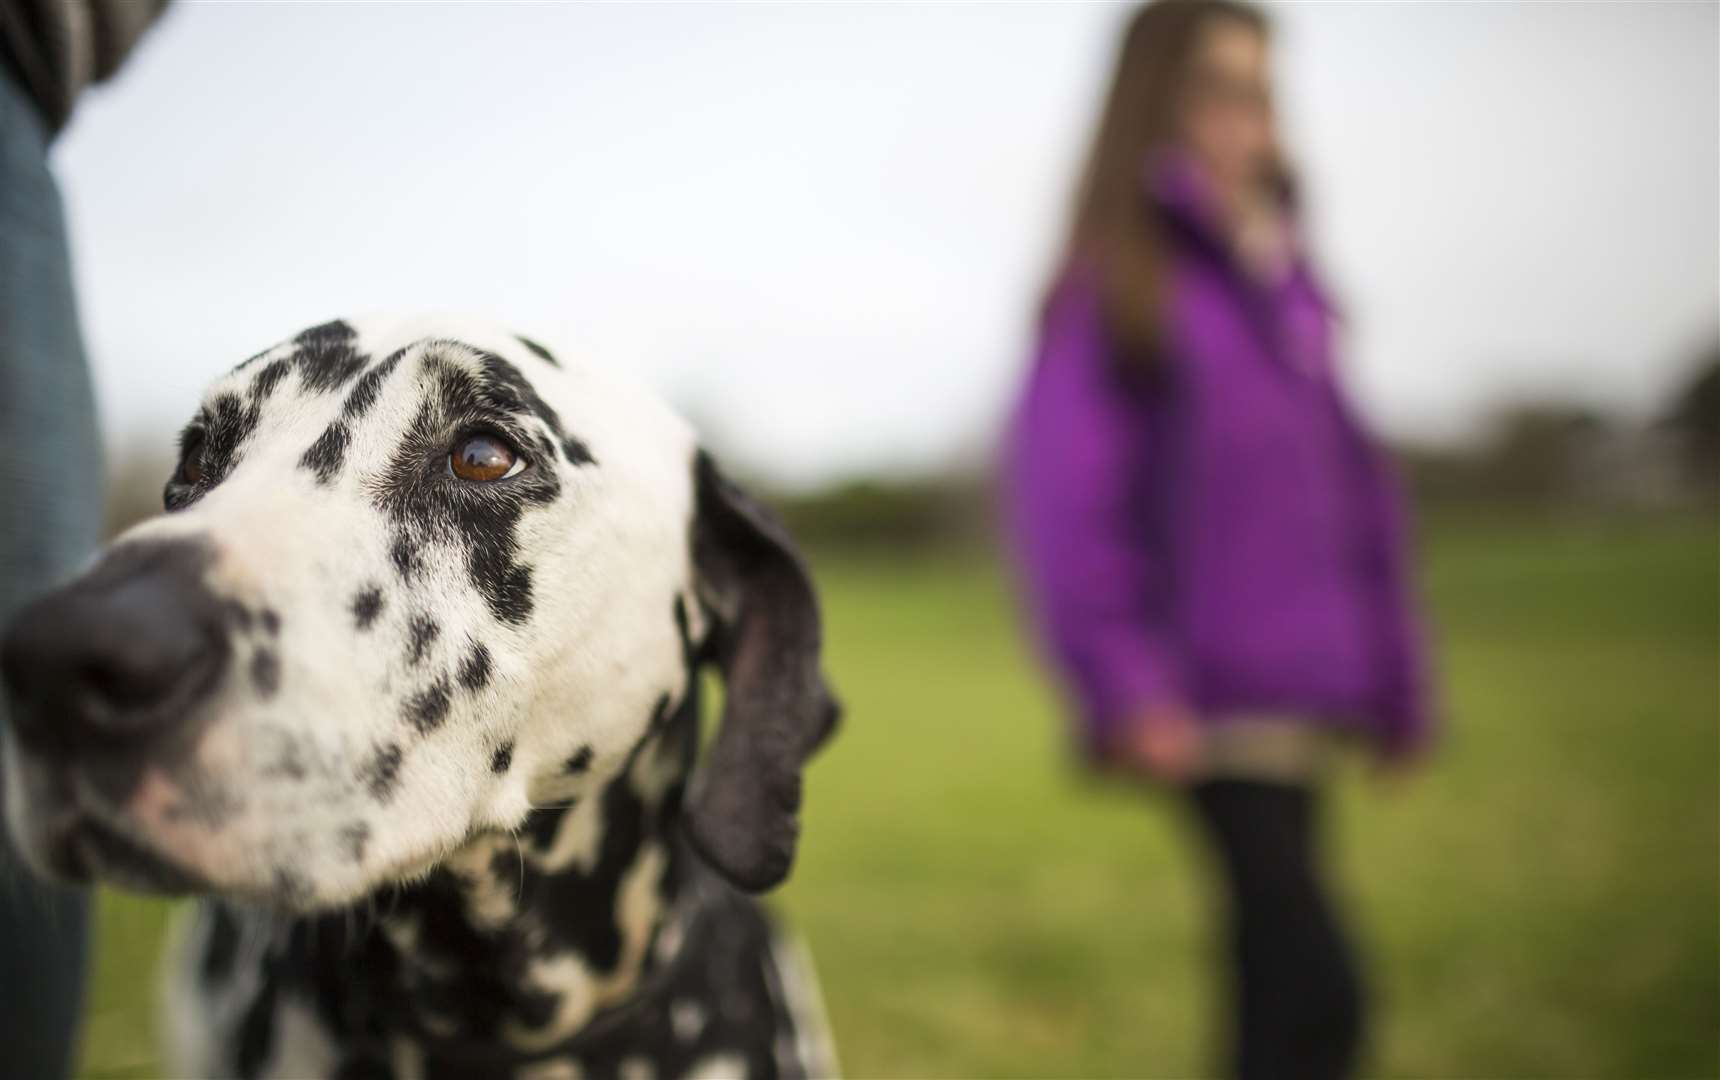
(1543, 901)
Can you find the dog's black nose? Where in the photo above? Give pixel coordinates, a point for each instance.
(120, 654)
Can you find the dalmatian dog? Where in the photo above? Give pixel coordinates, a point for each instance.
(405, 686)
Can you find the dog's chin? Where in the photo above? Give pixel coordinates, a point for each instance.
(61, 839)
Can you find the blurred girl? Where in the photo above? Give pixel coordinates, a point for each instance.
(1211, 545)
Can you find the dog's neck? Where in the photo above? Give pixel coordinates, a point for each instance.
(518, 941)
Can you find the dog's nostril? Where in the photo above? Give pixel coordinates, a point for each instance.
(117, 683)
(126, 651)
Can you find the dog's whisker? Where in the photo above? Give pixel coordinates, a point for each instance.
(520, 851)
(370, 915)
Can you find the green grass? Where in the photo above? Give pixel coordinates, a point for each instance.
(1543, 900)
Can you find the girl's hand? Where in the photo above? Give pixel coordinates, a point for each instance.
(1165, 742)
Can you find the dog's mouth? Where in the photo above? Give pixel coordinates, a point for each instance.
(53, 817)
(86, 850)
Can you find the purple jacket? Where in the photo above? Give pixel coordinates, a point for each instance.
(1224, 536)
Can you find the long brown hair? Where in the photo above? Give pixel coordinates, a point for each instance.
(1115, 229)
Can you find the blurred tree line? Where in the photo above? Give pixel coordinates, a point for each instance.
(1535, 457)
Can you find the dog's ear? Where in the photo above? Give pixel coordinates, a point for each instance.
(765, 637)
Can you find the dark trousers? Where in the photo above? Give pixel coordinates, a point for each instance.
(50, 521)
(1298, 1005)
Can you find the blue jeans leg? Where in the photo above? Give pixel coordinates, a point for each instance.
(50, 521)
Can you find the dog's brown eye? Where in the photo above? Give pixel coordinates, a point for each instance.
(482, 458)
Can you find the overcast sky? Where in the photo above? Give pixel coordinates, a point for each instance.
(821, 229)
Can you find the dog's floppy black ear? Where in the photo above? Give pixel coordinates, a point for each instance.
(745, 801)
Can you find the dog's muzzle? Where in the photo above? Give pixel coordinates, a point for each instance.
(103, 678)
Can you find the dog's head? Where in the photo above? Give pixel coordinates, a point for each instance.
(413, 580)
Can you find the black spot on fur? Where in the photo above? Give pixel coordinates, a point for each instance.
(369, 992)
(538, 350)
(325, 356)
(591, 930)
(692, 652)
(363, 1067)
(382, 772)
(257, 1032)
(475, 671)
(475, 976)
(536, 1010)
(507, 588)
(366, 606)
(325, 456)
(253, 358)
(354, 838)
(421, 632)
(660, 715)
(429, 707)
(426, 505)
(404, 554)
(269, 378)
(508, 385)
(502, 758)
(221, 949)
(365, 391)
(266, 672)
(216, 436)
(236, 615)
(231, 425)
(576, 452)
(579, 761)
(271, 621)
